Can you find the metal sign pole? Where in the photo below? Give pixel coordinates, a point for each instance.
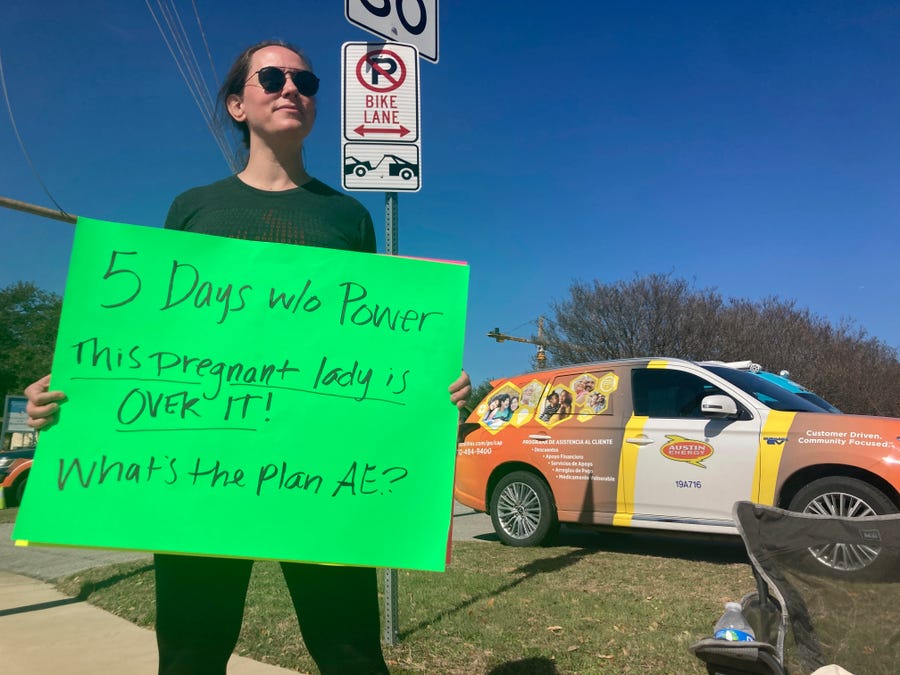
(391, 615)
(391, 602)
(390, 223)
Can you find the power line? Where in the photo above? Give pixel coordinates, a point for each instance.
(212, 66)
(12, 119)
(178, 42)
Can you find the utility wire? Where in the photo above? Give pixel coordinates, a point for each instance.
(233, 156)
(193, 60)
(212, 66)
(527, 323)
(183, 65)
(214, 122)
(186, 54)
(34, 170)
(178, 42)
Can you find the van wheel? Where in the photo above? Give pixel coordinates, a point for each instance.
(848, 498)
(522, 510)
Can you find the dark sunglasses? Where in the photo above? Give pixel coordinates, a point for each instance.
(272, 79)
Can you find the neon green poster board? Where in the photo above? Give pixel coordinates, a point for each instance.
(248, 399)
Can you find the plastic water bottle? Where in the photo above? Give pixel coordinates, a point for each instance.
(733, 626)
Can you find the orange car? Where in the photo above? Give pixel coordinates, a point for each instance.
(664, 444)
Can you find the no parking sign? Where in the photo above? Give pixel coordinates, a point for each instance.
(380, 117)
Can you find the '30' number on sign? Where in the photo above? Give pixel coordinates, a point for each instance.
(385, 10)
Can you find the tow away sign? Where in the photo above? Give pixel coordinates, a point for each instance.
(380, 117)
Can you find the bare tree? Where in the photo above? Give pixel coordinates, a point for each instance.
(649, 316)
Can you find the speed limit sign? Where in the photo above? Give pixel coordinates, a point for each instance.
(412, 22)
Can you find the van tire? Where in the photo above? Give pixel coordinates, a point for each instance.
(845, 497)
(522, 510)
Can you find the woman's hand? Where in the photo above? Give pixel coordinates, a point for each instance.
(460, 390)
(43, 405)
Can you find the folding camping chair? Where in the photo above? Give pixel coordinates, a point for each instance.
(828, 593)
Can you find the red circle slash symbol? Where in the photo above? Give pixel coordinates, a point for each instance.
(386, 70)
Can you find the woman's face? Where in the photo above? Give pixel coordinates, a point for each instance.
(271, 116)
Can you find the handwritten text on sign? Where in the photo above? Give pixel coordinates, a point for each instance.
(295, 395)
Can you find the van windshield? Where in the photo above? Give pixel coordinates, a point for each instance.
(770, 395)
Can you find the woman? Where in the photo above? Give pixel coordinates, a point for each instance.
(504, 413)
(499, 412)
(269, 94)
(565, 405)
(493, 407)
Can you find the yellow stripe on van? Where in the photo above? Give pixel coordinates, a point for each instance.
(658, 363)
(768, 459)
(627, 471)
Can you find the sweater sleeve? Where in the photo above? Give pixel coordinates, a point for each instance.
(367, 235)
(175, 220)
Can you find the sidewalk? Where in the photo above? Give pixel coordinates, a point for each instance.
(43, 631)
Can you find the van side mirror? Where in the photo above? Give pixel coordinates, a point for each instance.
(718, 406)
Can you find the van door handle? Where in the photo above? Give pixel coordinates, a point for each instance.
(640, 440)
(540, 437)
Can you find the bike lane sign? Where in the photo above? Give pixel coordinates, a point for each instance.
(380, 117)
(381, 92)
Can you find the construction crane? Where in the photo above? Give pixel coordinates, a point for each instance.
(541, 357)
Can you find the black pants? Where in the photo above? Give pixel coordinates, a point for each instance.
(200, 608)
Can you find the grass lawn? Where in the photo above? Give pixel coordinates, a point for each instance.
(597, 603)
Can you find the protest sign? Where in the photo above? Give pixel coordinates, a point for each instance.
(241, 398)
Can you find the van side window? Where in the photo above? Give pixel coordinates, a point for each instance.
(660, 392)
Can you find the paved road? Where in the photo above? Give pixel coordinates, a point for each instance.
(50, 562)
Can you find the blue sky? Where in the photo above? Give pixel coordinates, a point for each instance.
(753, 147)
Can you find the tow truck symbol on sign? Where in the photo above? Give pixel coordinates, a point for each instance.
(356, 166)
(381, 167)
(400, 167)
(397, 166)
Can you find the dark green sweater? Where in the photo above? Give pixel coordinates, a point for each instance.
(310, 215)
